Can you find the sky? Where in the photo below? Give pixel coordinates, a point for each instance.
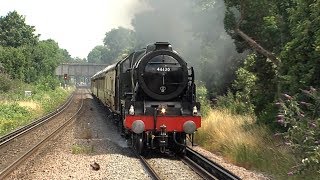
(77, 25)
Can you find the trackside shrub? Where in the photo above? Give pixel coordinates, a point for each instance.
(16, 109)
(47, 83)
(5, 83)
(11, 116)
(234, 104)
(244, 142)
(202, 97)
(301, 115)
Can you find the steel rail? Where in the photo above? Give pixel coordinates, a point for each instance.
(205, 167)
(32, 150)
(8, 137)
(148, 168)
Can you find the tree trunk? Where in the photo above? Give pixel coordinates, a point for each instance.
(257, 47)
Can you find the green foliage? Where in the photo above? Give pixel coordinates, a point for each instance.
(5, 83)
(302, 118)
(202, 97)
(260, 19)
(22, 55)
(14, 32)
(66, 57)
(240, 140)
(14, 61)
(100, 55)
(47, 83)
(246, 80)
(29, 63)
(46, 57)
(119, 41)
(290, 30)
(300, 57)
(234, 104)
(241, 102)
(11, 116)
(48, 94)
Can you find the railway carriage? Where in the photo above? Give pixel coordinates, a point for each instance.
(152, 95)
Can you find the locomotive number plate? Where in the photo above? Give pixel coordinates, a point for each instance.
(163, 69)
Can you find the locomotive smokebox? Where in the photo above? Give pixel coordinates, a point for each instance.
(162, 73)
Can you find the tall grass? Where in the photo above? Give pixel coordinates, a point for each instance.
(242, 142)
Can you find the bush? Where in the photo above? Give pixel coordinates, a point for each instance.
(302, 118)
(19, 110)
(47, 83)
(234, 105)
(243, 142)
(50, 99)
(5, 83)
(11, 116)
(202, 97)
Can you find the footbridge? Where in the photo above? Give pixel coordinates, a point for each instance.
(78, 73)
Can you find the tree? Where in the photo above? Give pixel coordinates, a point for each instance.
(14, 32)
(301, 55)
(22, 55)
(14, 61)
(79, 60)
(66, 57)
(260, 27)
(46, 57)
(119, 41)
(100, 55)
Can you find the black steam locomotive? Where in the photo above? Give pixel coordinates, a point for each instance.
(152, 95)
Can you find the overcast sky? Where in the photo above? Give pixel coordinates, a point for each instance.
(77, 25)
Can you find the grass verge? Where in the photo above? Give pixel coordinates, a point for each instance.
(242, 142)
(17, 110)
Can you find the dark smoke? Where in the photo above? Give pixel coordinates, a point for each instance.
(196, 32)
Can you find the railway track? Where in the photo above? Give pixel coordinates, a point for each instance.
(152, 173)
(11, 138)
(206, 168)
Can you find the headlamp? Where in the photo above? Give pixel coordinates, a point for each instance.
(131, 110)
(195, 110)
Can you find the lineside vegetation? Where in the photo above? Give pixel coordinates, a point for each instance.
(17, 110)
(244, 142)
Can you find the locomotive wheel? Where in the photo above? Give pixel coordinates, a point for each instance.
(182, 149)
(137, 142)
(179, 149)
